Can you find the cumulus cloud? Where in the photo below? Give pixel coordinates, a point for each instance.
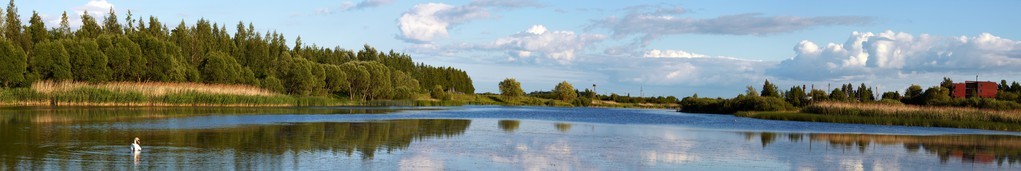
(560, 46)
(425, 22)
(867, 54)
(650, 23)
(94, 7)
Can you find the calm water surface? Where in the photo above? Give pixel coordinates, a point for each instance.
(476, 137)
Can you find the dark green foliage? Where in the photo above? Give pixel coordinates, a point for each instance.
(796, 96)
(837, 95)
(51, 62)
(89, 29)
(125, 57)
(438, 93)
(770, 90)
(273, 84)
(695, 104)
(218, 68)
(892, 95)
(13, 64)
(512, 88)
(88, 63)
(146, 50)
(818, 95)
(565, 92)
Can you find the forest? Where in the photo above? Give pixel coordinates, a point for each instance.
(147, 50)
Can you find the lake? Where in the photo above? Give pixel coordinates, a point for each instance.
(476, 138)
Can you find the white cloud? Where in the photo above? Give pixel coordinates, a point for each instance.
(656, 53)
(653, 22)
(94, 7)
(560, 46)
(867, 54)
(425, 22)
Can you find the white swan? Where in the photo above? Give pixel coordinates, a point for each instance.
(134, 146)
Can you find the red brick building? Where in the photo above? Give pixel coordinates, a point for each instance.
(968, 89)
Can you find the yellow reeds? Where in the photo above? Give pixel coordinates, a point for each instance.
(931, 112)
(153, 88)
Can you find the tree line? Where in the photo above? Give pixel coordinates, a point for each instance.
(564, 91)
(771, 98)
(143, 50)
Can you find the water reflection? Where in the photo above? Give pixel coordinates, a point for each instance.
(509, 125)
(56, 146)
(66, 115)
(562, 127)
(985, 149)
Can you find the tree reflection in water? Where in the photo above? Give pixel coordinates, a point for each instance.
(53, 144)
(1001, 149)
(509, 125)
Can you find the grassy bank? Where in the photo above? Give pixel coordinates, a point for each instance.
(152, 94)
(906, 115)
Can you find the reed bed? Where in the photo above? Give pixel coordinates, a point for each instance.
(153, 88)
(918, 112)
(48, 93)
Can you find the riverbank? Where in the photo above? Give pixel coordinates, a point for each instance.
(162, 94)
(895, 114)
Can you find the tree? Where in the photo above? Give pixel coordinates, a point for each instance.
(110, 24)
(892, 95)
(64, 29)
(88, 62)
(751, 92)
(125, 56)
(565, 92)
(936, 95)
(818, 95)
(912, 95)
(947, 83)
(511, 88)
(12, 69)
(51, 62)
(838, 95)
(273, 84)
(769, 90)
(438, 93)
(37, 29)
(218, 68)
(89, 29)
(796, 96)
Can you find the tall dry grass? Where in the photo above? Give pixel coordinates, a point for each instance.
(153, 88)
(911, 111)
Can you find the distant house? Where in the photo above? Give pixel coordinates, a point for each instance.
(968, 89)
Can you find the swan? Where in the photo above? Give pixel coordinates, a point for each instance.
(135, 147)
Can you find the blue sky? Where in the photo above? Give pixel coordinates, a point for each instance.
(715, 48)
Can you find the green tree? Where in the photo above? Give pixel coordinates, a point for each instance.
(438, 93)
(511, 88)
(892, 95)
(219, 68)
(88, 62)
(13, 67)
(838, 95)
(273, 84)
(913, 95)
(89, 29)
(936, 95)
(51, 62)
(770, 90)
(336, 80)
(37, 29)
(565, 92)
(947, 83)
(750, 91)
(818, 95)
(110, 24)
(125, 56)
(63, 31)
(796, 96)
